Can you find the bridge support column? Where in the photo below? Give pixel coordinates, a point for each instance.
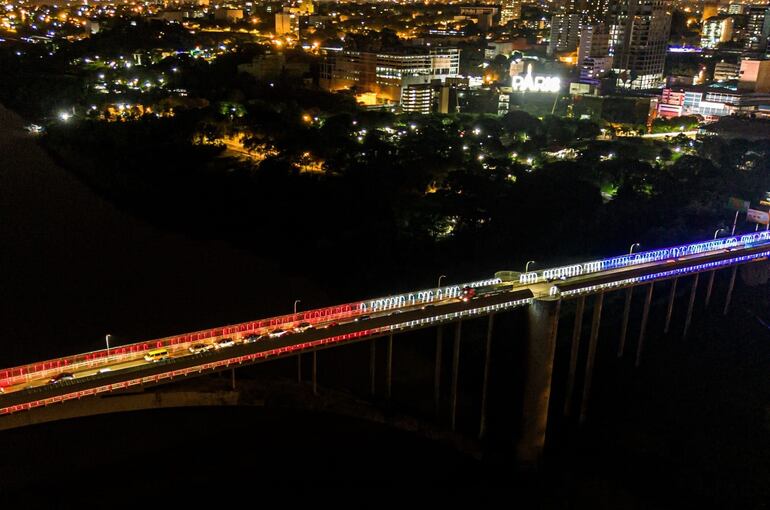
(232, 378)
(485, 381)
(437, 371)
(624, 324)
(730, 289)
(670, 310)
(389, 369)
(709, 286)
(643, 327)
(592, 343)
(299, 368)
(690, 305)
(372, 360)
(541, 347)
(315, 377)
(455, 371)
(573, 355)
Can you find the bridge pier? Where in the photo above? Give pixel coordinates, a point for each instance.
(624, 325)
(592, 343)
(643, 327)
(299, 368)
(315, 365)
(690, 305)
(730, 289)
(709, 286)
(540, 351)
(669, 311)
(232, 380)
(573, 355)
(437, 371)
(372, 366)
(485, 381)
(389, 367)
(455, 371)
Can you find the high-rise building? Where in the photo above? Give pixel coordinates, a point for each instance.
(565, 29)
(384, 72)
(639, 31)
(726, 71)
(509, 11)
(593, 11)
(736, 9)
(757, 29)
(754, 75)
(716, 30)
(594, 59)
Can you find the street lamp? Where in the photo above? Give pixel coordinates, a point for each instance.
(295, 305)
(718, 231)
(107, 339)
(526, 266)
(631, 250)
(439, 280)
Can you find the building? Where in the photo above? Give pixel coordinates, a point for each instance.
(754, 75)
(286, 23)
(565, 29)
(710, 9)
(711, 102)
(417, 94)
(229, 15)
(736, 9)
(509, 11)
(484, 15)
(757, 29)
(639, 31)
(726, 71)
(384, 72)
(594, 59)
(716, 30)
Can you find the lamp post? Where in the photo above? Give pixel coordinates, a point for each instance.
(107, 339)
(439, 280)
(526, 266)
(631, 250)
(295, 305)
(718, 231)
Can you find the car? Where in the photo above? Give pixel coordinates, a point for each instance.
(278, 333)
(329, 325)
(303, 326)
(199, 348)
(425, 307)
(253, 337)
(467, 294)
(63, 376)
(104, 370)
(362, 318)
(224, 342)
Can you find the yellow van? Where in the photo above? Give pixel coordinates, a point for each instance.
(156, 355)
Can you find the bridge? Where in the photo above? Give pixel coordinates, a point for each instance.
(52, 388)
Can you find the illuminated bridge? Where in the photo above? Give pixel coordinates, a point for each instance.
(539, 294)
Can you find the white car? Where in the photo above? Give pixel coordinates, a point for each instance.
(198, 348)
(278, 333)
(224, 342)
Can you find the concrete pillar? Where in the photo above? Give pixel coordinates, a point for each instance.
(573, 355)
(315, 363)
(485, 381)
(643, 327)
(709, 286)
(540, 347)
(592, 343)
(670, 310)
(730, 290)
(232, 380)
(389, 369)
(299, 368)
(455, 371)
(690, 305)
(372, 367)
(624, 324)
(437, 370)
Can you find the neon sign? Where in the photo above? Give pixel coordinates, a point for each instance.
(529, 83)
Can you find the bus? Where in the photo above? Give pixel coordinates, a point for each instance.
(156, 355)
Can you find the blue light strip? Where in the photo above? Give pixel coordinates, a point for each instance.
(700, 248)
